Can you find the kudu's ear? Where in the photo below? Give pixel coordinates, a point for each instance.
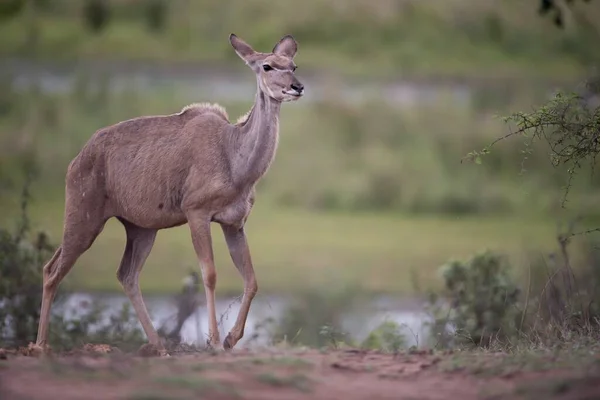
(287, 46)
(242, 48)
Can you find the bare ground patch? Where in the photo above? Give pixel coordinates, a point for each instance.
(95, 373)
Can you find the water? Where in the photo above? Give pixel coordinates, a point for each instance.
(202, 84)
(357, 325)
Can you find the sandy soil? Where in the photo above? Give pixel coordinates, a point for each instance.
(99, 372)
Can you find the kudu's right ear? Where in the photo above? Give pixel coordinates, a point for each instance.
(242, 48)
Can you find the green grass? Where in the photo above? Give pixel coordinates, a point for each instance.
(367, 195)
(294, 249)
(331, 156)
(465, 38)
(381, 198)
(297, 381)
(568, 354)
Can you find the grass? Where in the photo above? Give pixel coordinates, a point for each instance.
(298, 381)
(368, 196)
(527, 373)
(546, 388)
(564, 368)
(198, 384)
(151, 396)
(578, 353)
(294, 249)
(369, 157)
(465, 38)
(282, 361)
(382, 197)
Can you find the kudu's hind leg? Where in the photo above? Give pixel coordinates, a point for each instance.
(139, 244)
(77, 238)
(240, 254)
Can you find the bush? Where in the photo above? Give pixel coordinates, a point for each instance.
(315, 318)
(564, 296)
(481, 304)
(22, 257)
(387, 337)
(96, 14)
(480, 299)
(156, 14)
(120, 330)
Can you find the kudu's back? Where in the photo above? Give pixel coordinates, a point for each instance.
(140, 169)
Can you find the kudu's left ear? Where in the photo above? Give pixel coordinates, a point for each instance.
(287, 46)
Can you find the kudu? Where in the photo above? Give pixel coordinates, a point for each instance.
(158, 172)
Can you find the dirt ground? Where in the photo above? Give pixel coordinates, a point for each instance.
(100, 372)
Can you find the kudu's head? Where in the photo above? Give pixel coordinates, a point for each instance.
(275, 70)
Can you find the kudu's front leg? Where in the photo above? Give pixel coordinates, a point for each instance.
(240, 254)
(202, 240)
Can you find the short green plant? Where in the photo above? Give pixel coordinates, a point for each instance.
(568, 124)
(96, 14)
(334, 336)
(156, 12)
(22, 256)
(315, 318)
(120, 330)
(387, 337)
(480, 301)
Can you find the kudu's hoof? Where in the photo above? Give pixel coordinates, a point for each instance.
(36, 350)
(213, 345)
(228, 343)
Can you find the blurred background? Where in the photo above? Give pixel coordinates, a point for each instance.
(367, 194)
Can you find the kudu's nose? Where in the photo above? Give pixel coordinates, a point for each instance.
(298, 87)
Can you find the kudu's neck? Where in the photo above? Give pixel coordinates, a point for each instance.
(257, 140)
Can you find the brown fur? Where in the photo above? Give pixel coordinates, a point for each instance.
(157, 172)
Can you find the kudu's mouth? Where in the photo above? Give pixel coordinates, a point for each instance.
(295, 93)
(296, 89)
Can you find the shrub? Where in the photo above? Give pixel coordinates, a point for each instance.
(315, 318)
(563, 287)
(480, 299)
(387, 337)
(21, 261)
(481, 305)
(96, 14)
(156, 14)
(120, 330)
(22, 258)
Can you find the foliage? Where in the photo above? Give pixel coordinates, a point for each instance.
(481, 299)
(551, 7)
(156, 12)
(459, 38)
(21, 260)
(387, 337)
(569, 123)
(483, 307)
(564, 299)
(22, 257)
(10, 8)
(96, 14)
(315, 318)
(120, 330)
(371, 156)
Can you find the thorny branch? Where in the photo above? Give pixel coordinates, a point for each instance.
(568, 123)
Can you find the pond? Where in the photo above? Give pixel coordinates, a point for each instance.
(409, 314)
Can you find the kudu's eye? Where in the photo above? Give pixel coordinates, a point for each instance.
(267, 67)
